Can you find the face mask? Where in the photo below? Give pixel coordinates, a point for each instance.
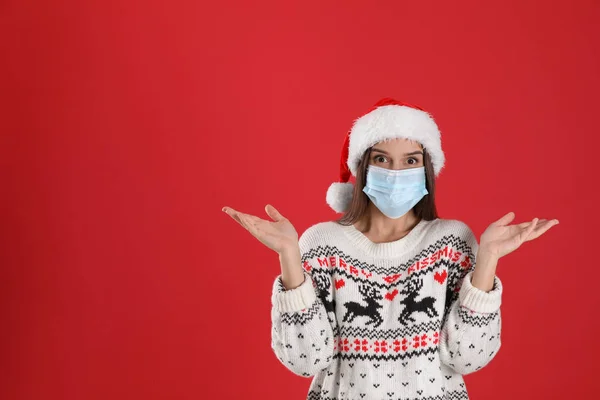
(395, 192)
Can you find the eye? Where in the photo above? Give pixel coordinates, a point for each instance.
(376, 158)
(416, 160)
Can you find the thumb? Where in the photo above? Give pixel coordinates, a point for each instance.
(505, 219)
(273, 213)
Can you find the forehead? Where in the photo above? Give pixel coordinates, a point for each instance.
(398, 145)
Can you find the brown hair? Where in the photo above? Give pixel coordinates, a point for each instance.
(424, 209)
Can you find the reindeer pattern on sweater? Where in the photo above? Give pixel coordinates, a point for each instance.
(397, 320)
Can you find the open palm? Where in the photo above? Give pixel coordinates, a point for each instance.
(500, 238)
(277, 235)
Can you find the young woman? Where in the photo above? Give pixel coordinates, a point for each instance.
(390, 301)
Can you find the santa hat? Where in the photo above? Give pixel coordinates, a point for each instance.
(387, 119)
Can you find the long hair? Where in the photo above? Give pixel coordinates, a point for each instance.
(424, 209)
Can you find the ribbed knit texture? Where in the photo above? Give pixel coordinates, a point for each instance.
(396, 320)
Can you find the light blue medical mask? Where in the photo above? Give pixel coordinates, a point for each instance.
(395, 192)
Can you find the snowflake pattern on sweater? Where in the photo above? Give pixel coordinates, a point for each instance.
(396, 320)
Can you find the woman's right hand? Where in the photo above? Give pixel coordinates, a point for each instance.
(279, 235)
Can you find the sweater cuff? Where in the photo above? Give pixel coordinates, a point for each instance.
(293, 300)
(478, 300)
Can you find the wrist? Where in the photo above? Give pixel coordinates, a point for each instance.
(290, 250)
(292, 273)
(485, 271)
(486, 257)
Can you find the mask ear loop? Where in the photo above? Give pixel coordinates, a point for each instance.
(426, 177)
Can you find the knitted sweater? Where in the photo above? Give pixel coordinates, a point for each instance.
(396, 320)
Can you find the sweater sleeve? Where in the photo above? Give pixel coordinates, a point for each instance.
(301, 333)
(470, 336)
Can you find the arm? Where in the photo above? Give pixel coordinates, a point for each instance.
(301, 334)
(470, 336)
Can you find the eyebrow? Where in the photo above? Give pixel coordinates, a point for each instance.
(406, 154)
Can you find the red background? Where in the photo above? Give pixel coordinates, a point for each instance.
(128, 125)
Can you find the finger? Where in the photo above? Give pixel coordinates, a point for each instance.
(233, 214)
(229, 211)
(242, 218)
(541, 229)
(244, 221)
(255, 220)
(273, 213)
(551, 221)
(523, 225)
(252, 224)
(530, 229)
(505, 220)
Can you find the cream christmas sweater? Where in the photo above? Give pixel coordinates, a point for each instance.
(396, 320)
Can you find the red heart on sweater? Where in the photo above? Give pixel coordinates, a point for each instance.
(441, 277)
(390, 295)
(307, 266)
(466, 263)
(339, 283)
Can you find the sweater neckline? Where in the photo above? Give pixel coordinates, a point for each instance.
(386, 249)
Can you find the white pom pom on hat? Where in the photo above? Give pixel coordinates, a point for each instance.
(387, 119)
(339, 196)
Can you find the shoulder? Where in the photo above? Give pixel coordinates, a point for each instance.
(314, 235)
(318, 234)
(453, 227)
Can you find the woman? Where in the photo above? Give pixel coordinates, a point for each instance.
(390, 301)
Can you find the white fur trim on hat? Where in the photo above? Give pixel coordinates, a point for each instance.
(395, 121)
(339, 196)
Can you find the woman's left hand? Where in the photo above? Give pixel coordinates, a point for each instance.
(500, 239)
